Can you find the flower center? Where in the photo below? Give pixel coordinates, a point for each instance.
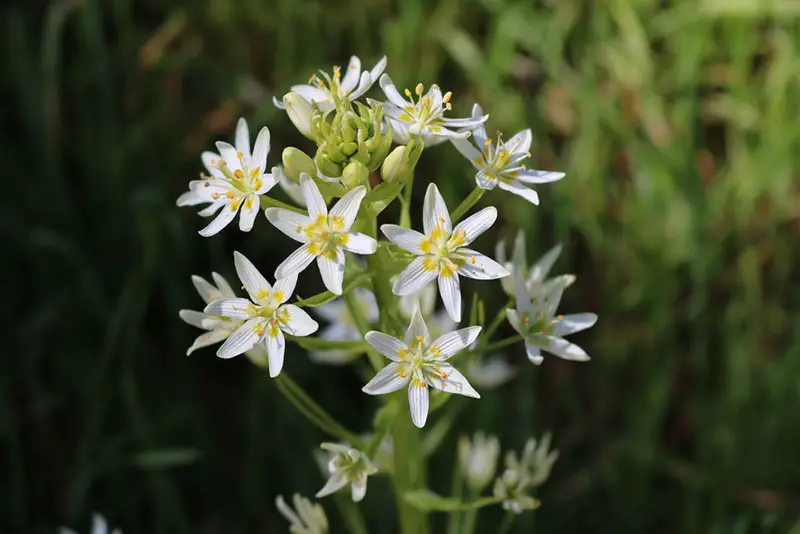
(423, 112)
(442, 250)
(244, 179)
(326, 235)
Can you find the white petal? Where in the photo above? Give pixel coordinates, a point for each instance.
(347, 206)
(242, 140)
(476, 224)
(402, 237)
(418, 402)
(391, 93)
(569, 324)
(447, 345)
(210, 160)
(520, 190)
(387, 380)
(449, 289)
(276, 348)
(434, 211)
(299, 322)
(268, 181)
(358, 488)
(231, 156)
(367, 304)
(350, 78)
(247, 215)
(211, 209)
(198, 319)
(417, 329)
(521, 142)
(260, 150)
(532, 176)
(277, 103)
(360, 243)
(207, 291)
(364, 83)
(564, 349)
(312, 94)
(534, 353)
(209, 338)
(234, 308)
(314, 201)
(480, 267)
(253, 281)
(468, 150)
(479, 130)
(225, 289)
(453, 381)
(334, 484)
(220, 221)
(514, 320)
(243, 339)
(377, 70)
(290, 188)
(295, 263)
(285, 286)
(332, 271)
(189, 198)
(415, 276)
(425, 299)
(389, 346)
(289, 222)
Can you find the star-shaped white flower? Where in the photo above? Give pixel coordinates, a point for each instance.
(343, 325)
(500, 165)
(423, 117)
(235, 181)
(325, 236)
(265, 315)
(326, 90)
(542, 329)
(536, 280)
(347, 466)
(420, 364)
(442, 252)
(307, 519)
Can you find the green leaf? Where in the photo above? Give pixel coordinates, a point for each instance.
(428, 501)
(383, 195)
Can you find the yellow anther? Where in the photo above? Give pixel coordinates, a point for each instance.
(298, 228)
(230, 194)
(239, 155)
(559, 317)
(502, 154)
(206, 184)
(215, 196)
(447, 96)
(426, 101)
(488, 142)
(407, 92)
(419, 88)
(536, 302)
(238, 173)
(244, 287)
(435, 86)
(444, 375)
(258, 184)
(312, 79)
(472, 260)
(525, 320)
(420, 338)
(441, 219)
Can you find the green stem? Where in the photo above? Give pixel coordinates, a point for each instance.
(405, 202)
(351, 514)
(457, 491)
(468, 202)
(506, 524)
(313, 411)
(409, 470)
(363, 327)
(489, 332)
(498, 344)
(269, 202)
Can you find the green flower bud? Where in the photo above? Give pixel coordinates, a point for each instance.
(300, 113)
(395, 167)
(355, 174)
(296, 161)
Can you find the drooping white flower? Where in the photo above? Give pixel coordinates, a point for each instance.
(347, 466)
(423, 117)
(478, 460)
(501, 165)
(307, 519)
(420, 364)
(99, 526)
(325, 236)
(524, 474)
(442, 252)
(326, 90)
(343, 326)
(236, 179)
(536, 280)
(265, 315)
(539, 325)
(217, 327)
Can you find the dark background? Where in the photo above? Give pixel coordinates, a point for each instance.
(675, 121)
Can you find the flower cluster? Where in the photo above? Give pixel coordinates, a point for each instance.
(380, 297)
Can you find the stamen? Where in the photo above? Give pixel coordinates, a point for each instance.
(238, 173)
(447, 96)
(239, 155)
(407, 92)
(419, 88)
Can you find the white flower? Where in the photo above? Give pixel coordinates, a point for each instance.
(291, 188)
(236, 179)
(325, 236)
(421, 364)
(425, 116)
(442, 252)
(537, 323)
(326, 90)
(99, 526)
(265, 315)
(502, 165)
(536, 280)
(343, 325)
(217, 327)
(523, 475)
(309, 518)
(347, 466)
(478, 460)
(300, 112)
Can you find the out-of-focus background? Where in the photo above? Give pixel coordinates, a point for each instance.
(677, 123)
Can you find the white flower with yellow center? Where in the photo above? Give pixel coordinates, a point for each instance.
(327, 89)
(343, 325)
(235, 181)
(306, 518)
(420, 364)
(423, 117)
(500, 164)
(442, 252)
(265, 315)
(536, 280)
(347, 466)
(325, 236)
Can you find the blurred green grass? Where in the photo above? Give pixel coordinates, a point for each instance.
(675, 121)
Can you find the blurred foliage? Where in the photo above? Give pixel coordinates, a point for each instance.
(676, 122)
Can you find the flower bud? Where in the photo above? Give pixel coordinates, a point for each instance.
(296, 161)
(300, 113)
(355, 174)
(478, 460)
(395, 166)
